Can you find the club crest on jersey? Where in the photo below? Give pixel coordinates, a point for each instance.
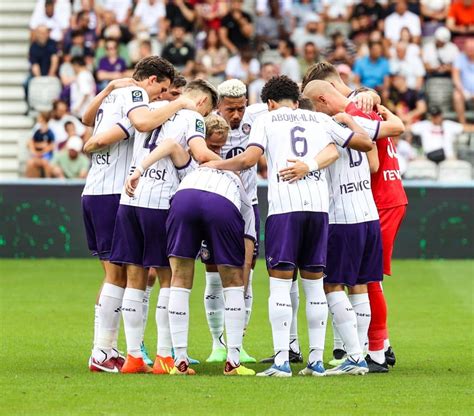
(246, 128)
(234, 152)
(137, 96)
(200, 128)
(205, 254)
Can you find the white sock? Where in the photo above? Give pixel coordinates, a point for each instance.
(248, 297)
(378, 356)
(146, 307)
(132, 311)
(279, 311)
(96, 324)
(345, 320)
(178, 313)
(214, 306)
(295, 304)
(164, 344)
(361, 305)
(109, 310)
(386, 344)
(338, 344)
(316, 315)
(234, 322)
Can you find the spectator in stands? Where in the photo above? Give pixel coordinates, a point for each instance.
(122, 9)
(110, 66)
(81, 23)
(310, 57)
(289, 65)
(179, 52)
(406, 103)
(413, 49)
(70, 163)
(121, 35)
(411, 67)
(405, 151)
(366, 17)
(463, 79)
(43, 54)
(341, 50)
(312, 31)
(399, 19)
(77, 47)
(180, 13)
(268, 71)
(212, 58)
(60, 117)
(300, 9)
(440, 54)
(434, 14)
(346, 75)
(46, 16)
(149, 16)
(41, 147)
(461, 17)
(237, 28)
(244, 66)
(210, 14)
(270, 27)
(437, 135)
(373, 71)
(337, 10)
(143, 50)
(83, 87)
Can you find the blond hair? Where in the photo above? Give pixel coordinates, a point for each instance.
(215, 123)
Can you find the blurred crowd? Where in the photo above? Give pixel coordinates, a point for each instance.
(419, 55)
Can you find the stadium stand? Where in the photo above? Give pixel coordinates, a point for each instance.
(250, 33)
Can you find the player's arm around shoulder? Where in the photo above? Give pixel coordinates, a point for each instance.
(391, 125)
(100, 141)
(359, 139)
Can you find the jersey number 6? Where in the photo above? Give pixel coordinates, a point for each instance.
(299, 145)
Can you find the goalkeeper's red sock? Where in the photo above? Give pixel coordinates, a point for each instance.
(378, 324)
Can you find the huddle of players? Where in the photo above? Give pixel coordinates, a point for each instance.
(322, 216)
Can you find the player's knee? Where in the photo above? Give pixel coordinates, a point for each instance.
(330, 287)
(152, 274)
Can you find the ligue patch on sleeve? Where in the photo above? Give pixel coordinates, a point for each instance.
(200, 128)
(137, 96)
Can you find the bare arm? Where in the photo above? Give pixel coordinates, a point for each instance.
(366, 99)
(373, 157)
(360, 139)
(300, 169)
(53, 69)
(456, 76)
(167, 147)
(104, 139)
(35, 70)
(89, 115)
(201, 152)
(145, 120)
(391, 126)
(240, 162)
(224, 38)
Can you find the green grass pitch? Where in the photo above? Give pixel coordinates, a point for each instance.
(46, 330)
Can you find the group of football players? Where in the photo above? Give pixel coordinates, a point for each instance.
(174, 179)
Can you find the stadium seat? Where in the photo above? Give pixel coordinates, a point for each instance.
(455, 171)
(42, 91)
(439, 92)
(421, 169)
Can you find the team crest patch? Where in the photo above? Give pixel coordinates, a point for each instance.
(246, 128)
(200, 128)
(137, 96)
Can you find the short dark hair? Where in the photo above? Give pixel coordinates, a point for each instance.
(305, 103)
(78, 60)
(320, 71)
(280, 88)
(290, 45)
(68, 123)
(153, 65)
(375, 42)
(205, 87)
(179, 81)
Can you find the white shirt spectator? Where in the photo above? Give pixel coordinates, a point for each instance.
(150, 14)
(119, 7)
(57, 23)
(436, 57)
(235, 69)
(337, 8)
(263, 6)
(411, 67)
(394, 23)
(435, 137)
(59, 130)
(301, 36)
(405, 153)
(82, 92)
(291, 68)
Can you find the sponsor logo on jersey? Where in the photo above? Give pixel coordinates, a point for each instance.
(246, 128)
(137, 96)
(200, 127)
(392, 175)
(102, 158)
(347, 188)
(234, 152)
(157, 174)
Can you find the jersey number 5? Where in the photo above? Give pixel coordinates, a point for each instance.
(299, 145)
